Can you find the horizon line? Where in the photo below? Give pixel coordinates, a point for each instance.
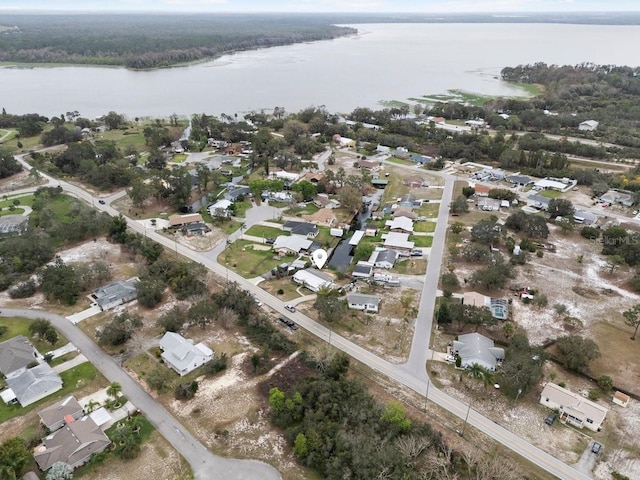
(5, 10)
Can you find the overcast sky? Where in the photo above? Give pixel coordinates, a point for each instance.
(369, 6)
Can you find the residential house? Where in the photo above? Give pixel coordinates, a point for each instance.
(413, 181)
(237, 192)
(574, 408)
(314, 177)
(585, 217)
(368, 303)
(313, 279)
(356, 238)
(17, 353)
(383, 149)
(324, 216)
(519, 180)
(73, 444)
(380, 184)
(488, 204)
(117, 293)
(473, 348)
(344, 142)
(55, 416)
(552, 184)
(482, 190)
(198, 228)
(420, 159)
(336, 232)
(182, 355)
(28, 385)
(478, 123)
(13, 225)
(621, 399)
(538, 201)
(404, 212)
(401, 152)
(474, 298)
(383, 258)
(489, 174)
(588, 125)
(322, 201)
(284, 197)
(367, 165)
(220, 208)
(408, 201)
(362, 270)
(182, 220)
(400, 224)
(303, 229)
(618, 196)
(286, 244)
(398, 241)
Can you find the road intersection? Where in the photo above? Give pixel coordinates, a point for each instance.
(411, 374)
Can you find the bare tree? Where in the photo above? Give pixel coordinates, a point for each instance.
(227, 317)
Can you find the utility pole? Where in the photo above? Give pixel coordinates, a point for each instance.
(426, 395)
(465, 420)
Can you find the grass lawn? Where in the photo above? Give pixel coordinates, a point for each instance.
(285, 284)
(401, 161)
(6, 135)
(241, 257)
(550, 193)
(394, 189)
(241, 207)
(78, 377)
(24, 200)
(15, 211)
(265, 232)
(429, 210)
(179, 157)
(20, 326)
(132, 137)
(308, 209)
(421, 241)
(411, 266)
(325, 238)
(424, 226)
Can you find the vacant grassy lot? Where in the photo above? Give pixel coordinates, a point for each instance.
(265, 232)
(619, 357)
(308, 209)
(421, 241)
(131, 138)
(411, 266)
(394, 189)
(20, 326)
(241, 257)
(401, 161)
(179, 157)
(286, 285)
(424, 227)
(429, 210)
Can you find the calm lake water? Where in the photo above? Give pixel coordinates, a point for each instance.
(384, 62)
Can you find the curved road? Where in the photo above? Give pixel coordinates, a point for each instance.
(411, 374)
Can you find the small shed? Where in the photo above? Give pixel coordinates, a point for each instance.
(621, 399)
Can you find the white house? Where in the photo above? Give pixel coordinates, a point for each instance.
(398, 241)
(574, 408)
(400, 224)
(474, 348)
(368, 303)
(182, 355)
(588, 125)
(313, 279)
(220, 208)
(291, 244)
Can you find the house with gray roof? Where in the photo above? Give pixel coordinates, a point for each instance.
(74, 444)
(538, 201)
(585, 217)
(474, 348)
(13, 225)
(313, 279)
(519, 180)
(285, 244)
(17, 353)
(117, 293)
(55, 416)
(362, 270)
(304, 229)
(28, 385)
(383, 258)
(236, 192)
(182, 355)
(368, 303)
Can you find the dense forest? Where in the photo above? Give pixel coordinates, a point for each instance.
(149, 41)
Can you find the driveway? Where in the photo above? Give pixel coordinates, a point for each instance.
(588, 460)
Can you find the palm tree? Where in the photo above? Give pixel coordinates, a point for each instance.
(476, 371)
(114, 390)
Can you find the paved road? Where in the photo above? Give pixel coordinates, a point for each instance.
(205, 465)
(413, 373)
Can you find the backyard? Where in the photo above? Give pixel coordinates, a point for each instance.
(249, 259)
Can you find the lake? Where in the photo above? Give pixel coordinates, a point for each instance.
(384, 62)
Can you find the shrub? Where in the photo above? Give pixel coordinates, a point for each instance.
(539, 254)
(280, 291)
(605, 382)
(594, 394)
(450, 281)
(216, 365)
(186, 391)
(23, 289)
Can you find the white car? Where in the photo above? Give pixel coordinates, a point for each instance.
(450, 359)
(291, 308)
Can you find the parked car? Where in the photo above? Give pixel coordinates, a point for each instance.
(416, 253)
(596, 447)
(450, 358)
(291, 308)
(421, 219)
(101, 202)
(270, 240)
(550, 419)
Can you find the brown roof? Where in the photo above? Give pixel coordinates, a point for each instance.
(366, 164)
(53, 414)
(72, 444)
(177, 220)
(404, 212)
(322, 200)
(481, 189)
(314, 176)
(621, 397)
(324, 215)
